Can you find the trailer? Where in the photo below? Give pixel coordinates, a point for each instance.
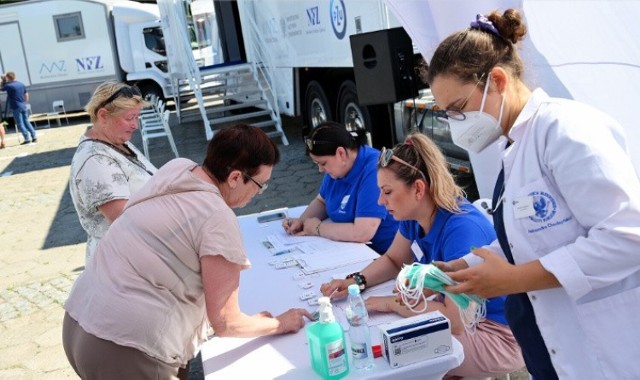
(63, 49)
(311, 53)
(304, 52)
(301, 49)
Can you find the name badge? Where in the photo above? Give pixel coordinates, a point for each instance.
(417, 251)
(523, 207)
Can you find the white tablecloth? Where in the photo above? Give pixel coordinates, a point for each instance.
(276, 290)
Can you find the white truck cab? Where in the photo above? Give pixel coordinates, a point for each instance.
(63, 49)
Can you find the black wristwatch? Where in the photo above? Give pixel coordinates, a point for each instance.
(360, 280)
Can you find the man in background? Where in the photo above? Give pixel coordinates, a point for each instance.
(18, 97)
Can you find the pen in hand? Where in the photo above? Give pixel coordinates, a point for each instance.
(288, 223)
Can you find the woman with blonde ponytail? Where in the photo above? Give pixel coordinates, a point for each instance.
(436, 223)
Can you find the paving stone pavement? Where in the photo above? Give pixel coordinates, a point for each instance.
(42, 243)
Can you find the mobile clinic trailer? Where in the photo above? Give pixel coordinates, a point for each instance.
(62, 49)
(307, 45)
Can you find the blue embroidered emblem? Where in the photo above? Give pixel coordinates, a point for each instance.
(544, 205)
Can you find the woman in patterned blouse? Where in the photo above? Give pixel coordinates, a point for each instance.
(106, 168)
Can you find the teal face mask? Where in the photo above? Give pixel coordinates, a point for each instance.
(412, 279)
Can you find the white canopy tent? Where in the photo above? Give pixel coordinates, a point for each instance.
(583, 50)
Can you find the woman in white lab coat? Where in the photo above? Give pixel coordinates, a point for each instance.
(566, 209)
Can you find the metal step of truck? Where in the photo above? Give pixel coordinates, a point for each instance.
(230, 95)
(243, 116)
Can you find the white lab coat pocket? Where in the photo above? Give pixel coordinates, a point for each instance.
(613, 335)
(549, 224)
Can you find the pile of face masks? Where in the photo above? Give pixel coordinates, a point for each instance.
(413, 279)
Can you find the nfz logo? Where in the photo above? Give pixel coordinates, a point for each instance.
(338, 14)
(313, 14)
(54, 67)
(89, 63)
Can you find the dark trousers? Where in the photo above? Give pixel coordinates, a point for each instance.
(95, 358)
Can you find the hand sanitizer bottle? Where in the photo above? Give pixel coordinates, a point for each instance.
(327, 345)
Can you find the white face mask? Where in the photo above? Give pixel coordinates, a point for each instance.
(479, 129)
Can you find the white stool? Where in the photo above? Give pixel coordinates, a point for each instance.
(58, 106)
(51, 115)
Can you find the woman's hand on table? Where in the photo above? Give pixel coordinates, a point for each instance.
(292, 320)
(336, 289)
(292, 225)
(310, 227)
(382, 304)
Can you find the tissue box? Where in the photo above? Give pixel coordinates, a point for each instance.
(413, 339)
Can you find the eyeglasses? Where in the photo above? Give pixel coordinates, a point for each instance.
(261, 186)
(387, 155)
(126, 91)
(311, 142)
(456, 114)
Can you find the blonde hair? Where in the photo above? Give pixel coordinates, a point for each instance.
(106, 90)
(421, 152)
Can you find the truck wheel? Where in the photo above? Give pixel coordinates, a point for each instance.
(351, 113)
(150, 90)
(317, 108)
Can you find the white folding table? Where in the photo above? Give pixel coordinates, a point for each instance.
(264, 288)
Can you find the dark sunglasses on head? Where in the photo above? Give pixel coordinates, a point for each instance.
(311, 142)
(126, 91)
(387, 155)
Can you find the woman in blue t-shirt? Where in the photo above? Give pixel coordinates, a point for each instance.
(438, 223)
(347, 207)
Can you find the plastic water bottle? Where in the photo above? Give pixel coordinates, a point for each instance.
(359, 335)
(326, 344)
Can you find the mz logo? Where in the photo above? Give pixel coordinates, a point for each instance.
(313, 14)
(338, 14)
(57, 67)
(89, 63)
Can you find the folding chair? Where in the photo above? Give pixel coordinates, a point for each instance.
(58, 107)
(156, 124)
